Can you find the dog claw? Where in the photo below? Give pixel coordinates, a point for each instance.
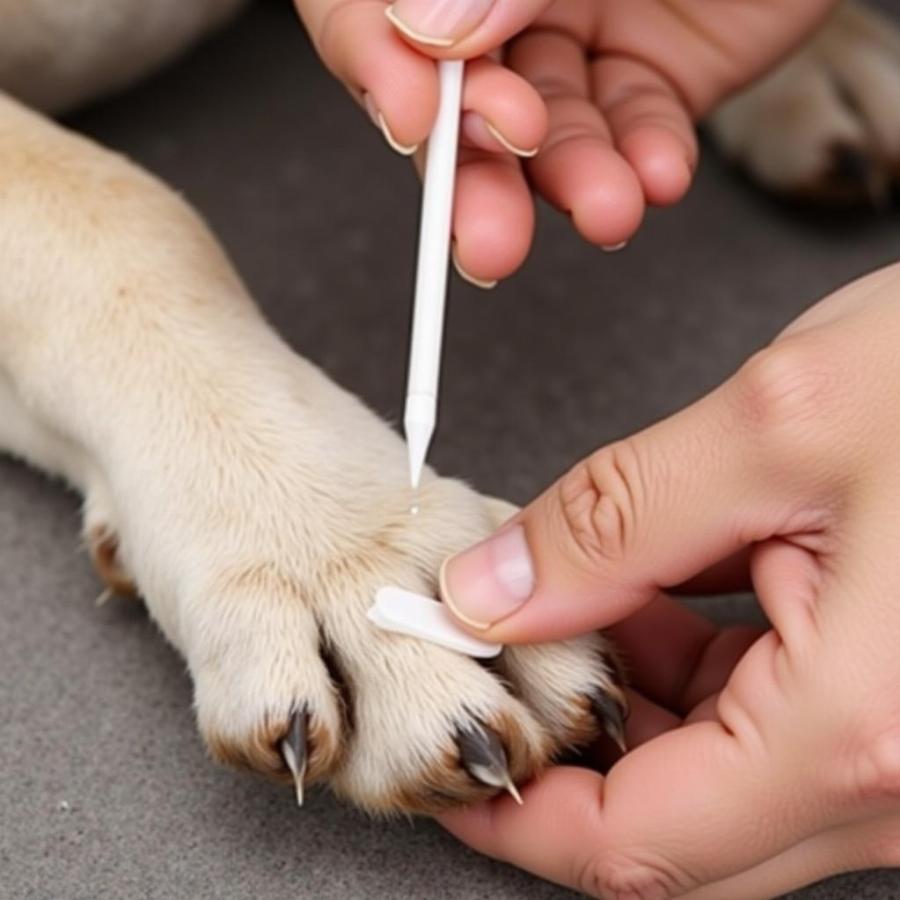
(483, 756)
(856, 169)
(513, 791)
(612, 713)
(294, 750)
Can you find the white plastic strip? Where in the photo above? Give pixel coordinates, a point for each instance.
(412, 614)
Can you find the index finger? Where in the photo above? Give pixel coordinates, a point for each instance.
(578, 168)
(677, 657)
(693, 806)
(398, 86)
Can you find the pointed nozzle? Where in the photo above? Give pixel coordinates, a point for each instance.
(417, 442)
(418, 425)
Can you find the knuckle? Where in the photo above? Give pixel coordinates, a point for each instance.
(611, 878)
(784, 388)
(877, 770)
(570, 117)
(599, 501)
(332, 37)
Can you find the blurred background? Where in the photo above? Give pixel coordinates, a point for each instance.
(105, 790)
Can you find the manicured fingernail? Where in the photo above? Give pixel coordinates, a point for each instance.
(379, 120)
(509, 145)
(489, 581)
(483, 283)
(485, 134)
(440, 23)
(614, 248)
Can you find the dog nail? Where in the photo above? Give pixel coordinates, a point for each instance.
(855, 168)
(850, 163)
(294, 750)
(483, 756)
(612, 712)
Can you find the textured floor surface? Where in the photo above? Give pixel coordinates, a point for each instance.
(105, 793)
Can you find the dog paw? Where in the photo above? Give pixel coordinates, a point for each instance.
(262, 573)
(294, 680)
(824, 128)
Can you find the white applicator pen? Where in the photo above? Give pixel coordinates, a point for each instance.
(420, 414)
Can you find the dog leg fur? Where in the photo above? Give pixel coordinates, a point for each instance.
(255, 505)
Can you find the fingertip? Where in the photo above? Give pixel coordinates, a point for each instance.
(404, 89)
(607, 207)
(558, 823)
(471, 30)
(504, 113)
(471, 824)
(485, 263)
(398, 86)
(486, 284)
(493, 217)
(380, 121)
(485, 135)
(662, 162)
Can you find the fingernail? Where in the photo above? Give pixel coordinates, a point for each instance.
(509, 145)
(614, 248)
(485, 134)
(489, 581)
(484, 283)
(440, 23)
(380, 122)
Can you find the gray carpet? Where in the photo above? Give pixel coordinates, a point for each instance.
(105, 791)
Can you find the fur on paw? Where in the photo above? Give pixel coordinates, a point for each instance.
(824, 128)
(100, 535)
(281, 652)
(103, 546)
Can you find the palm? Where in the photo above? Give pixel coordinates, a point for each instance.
(624, 80)
(702, 49)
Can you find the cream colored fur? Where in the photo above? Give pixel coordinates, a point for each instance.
(841, 92)
(255, 505)
(55, 54)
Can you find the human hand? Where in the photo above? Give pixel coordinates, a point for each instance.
(760, 762)
(607, 90)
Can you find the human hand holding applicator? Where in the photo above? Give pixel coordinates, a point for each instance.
(592, 103)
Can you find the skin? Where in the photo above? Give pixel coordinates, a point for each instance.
(607, 89)
(760, 760)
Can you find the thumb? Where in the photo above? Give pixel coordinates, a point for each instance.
(645, 513)
(462, 28)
